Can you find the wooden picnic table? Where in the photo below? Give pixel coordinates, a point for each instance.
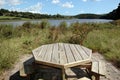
(62, 55)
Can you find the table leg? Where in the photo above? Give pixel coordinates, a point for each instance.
(63, 74)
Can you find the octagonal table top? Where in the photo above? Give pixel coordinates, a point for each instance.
(62, 55)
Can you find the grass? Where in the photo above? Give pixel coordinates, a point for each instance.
(15, 41)
(9, 18)
(107, 42)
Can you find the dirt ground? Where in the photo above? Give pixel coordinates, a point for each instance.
(13, 74)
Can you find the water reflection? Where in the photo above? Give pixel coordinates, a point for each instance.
(57, 22)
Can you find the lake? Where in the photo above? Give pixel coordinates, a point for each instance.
(57, 22)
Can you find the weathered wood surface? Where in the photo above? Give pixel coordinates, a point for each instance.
(112, 73)
(98, 69)
(62, 55)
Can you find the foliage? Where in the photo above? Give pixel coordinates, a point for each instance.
(88, 16)
(6, 31)
(80, 32)
(115, 14)
(19, 15)
(105, 41)
(116, 22)
(63, 26)
(15, 41)
(44, 24)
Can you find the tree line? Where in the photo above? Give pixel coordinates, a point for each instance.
(115, 14)
(5, 12)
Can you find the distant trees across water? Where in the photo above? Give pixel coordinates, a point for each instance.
(4, 12)
(115, 14)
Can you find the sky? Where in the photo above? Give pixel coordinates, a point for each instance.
(63, 7)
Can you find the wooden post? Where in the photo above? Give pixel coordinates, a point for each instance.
(63, 74)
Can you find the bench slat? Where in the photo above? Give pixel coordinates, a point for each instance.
(102, 68)
(99, 67)
(84, 78)
(95, 67)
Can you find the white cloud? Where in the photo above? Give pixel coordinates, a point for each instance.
(2, 2)
(15, 9)
(55, 1)
(34, 8)
(68, 5)
(10, 2)
(14, 2)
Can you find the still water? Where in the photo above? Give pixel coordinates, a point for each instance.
(57, 22)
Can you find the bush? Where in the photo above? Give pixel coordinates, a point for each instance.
(107, 42)
(44, 24)
(80, 32)
(6, 31)
(8, 54)
(26, 25)
(116, 22)
(62, 26)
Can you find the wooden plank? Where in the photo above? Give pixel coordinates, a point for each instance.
(56, 65)
(88, 51)
(69, 72)
(81, 52)
(48, 53)
(69, 54)
(42, 48)
(36, 51)
(95, 67)
(84, 78)
(75, 53)
(102, 68)
(63, 57)
(55, 54)
(42, 53)
(77, 63)
(63, 74)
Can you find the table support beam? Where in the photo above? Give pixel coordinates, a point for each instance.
(63, 74)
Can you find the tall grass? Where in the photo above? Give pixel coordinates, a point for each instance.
(15, 41)
(106, 41)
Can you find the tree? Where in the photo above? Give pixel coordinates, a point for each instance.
(4, 11)
(115, 14)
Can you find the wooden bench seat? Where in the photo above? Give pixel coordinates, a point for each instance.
(26, 68)
(22, 72)
(98, 69)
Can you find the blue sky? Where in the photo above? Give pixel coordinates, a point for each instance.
(64, 7)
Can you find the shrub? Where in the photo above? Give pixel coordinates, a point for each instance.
(80, 32)
(54, 33)
(44, 24)
(116, 22)
(107, 42)
(6, 31)
(26, 25)
(62, 26)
